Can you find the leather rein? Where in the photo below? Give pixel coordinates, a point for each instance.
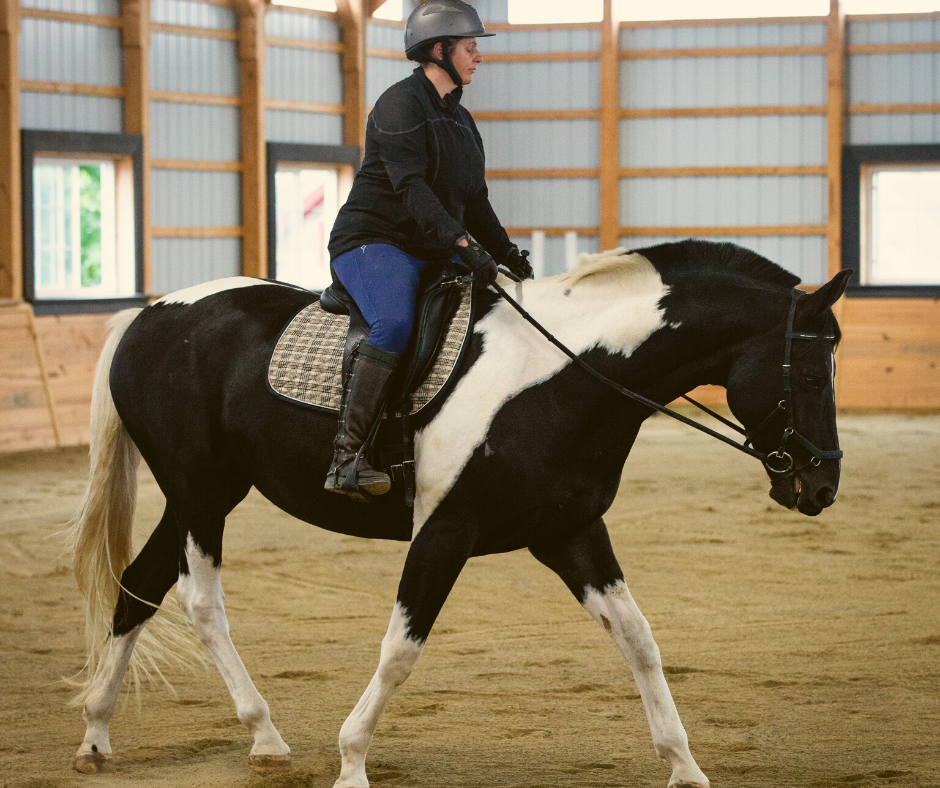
(780, 456)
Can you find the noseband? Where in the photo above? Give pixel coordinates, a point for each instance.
(780, 456)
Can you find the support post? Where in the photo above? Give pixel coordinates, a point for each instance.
(835, 126)
(609, 131)
(135, 41)
(352, 21)
(251, 53)
(11, 219)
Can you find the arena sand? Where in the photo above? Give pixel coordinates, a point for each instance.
(800, 651)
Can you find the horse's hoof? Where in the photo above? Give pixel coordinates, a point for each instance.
(93, 762)
(266, 763)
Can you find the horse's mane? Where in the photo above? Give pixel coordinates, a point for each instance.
(698, 258)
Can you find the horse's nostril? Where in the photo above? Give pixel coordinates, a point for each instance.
(826, 496)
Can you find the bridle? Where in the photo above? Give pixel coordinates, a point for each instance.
(780, 457)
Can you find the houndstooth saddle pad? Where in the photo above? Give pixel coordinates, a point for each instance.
(306, 365)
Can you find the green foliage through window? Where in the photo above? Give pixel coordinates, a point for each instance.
(90, 223)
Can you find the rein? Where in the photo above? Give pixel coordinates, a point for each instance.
(785, 404)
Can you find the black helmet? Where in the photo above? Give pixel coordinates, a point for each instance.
(437, 19)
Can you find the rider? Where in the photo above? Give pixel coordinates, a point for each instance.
(420, 197)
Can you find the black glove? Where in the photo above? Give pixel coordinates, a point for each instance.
(478, 260)
(517, 261)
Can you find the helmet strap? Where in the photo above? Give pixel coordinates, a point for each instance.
(448, 65)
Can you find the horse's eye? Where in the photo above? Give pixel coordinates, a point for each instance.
(814, 381)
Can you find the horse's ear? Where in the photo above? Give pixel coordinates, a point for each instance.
(829, 293)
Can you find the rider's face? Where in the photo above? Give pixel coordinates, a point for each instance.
(466, 58)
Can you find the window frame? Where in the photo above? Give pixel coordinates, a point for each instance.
(41, 144)
(857, 160)
(299, 153)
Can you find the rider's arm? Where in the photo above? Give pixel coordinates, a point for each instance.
(400, 131)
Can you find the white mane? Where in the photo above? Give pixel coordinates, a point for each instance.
(613, 262)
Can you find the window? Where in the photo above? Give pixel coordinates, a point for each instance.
(534, 12)
(307, 185)
(315, 5)
(392, 10)
(891, 219)
(82, 220)
(744, 9)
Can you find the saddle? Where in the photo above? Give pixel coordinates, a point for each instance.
(318, 343)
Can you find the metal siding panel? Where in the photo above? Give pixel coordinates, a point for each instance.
(898, 32)
(492, 10)
(382, 73)
(723, 142)
(520, 86)
(71, 113)
(540, 143)
(894, 78)
(183, 262)
(303, 75)
(192, 14)
(303, 127)
(723, 36)
(542, 41)
(385, 37)
(553, 202)
(723, 201)
(194, 131)
(103, 7)
(195, 199)
(283, 24)
(69, 52)
(191, 64)
(894, 129)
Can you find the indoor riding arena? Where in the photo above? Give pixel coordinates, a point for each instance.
(153, 146)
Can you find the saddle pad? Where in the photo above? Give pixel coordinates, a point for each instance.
(306, 365)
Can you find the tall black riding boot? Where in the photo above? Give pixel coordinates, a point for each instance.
(364, 393)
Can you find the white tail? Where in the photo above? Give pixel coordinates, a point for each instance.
(99, 535)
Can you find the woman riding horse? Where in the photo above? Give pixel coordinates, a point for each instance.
(420, 191)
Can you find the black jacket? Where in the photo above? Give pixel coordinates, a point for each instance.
(421, 187)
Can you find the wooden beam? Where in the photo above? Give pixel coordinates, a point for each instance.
(71, 88)
(521, 174)
(765, 20)
(200, 32)
(718, 112)
(515, 232)
(305, 106)
(694, 172)
(893, 109)
(196, 165)
(505, 27)
(609, 181)
(925, 17)
(198, 232)
(835, 131)
(290, 9)
(352, 22)
(98, 20)
(178, 97)
(537, 114)
(685, 232)
(893, 49)
(304, 43)
(11, 227)
(643, 54)
(135, 42)
(254, 179)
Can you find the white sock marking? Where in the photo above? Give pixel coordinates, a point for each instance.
(200, 593)
(399, 654)
(614, 609)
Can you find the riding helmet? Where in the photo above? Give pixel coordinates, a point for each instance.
(439, 19)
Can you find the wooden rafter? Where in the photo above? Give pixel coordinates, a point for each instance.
(11, 232)
(609, 131)
(352, 22)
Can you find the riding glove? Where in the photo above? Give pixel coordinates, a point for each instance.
(478, 260)
(518, 263)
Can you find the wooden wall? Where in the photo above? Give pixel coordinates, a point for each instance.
(46, 369)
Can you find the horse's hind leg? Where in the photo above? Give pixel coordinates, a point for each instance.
(200, 591)
(143, 585)
(585, 561)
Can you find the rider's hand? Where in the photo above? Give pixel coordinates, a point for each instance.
(517, 261)
(478, 260)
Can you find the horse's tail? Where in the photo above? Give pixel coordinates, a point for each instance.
(99, 535)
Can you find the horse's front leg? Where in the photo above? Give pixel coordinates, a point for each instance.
(435, 559)
(585, 561)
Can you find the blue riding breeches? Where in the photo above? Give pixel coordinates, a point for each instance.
(383, 281)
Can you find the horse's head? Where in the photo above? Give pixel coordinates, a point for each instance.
(795, 424)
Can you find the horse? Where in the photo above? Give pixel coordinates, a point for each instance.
(525, 451)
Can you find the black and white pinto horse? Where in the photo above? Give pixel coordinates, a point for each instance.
(526, 451)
